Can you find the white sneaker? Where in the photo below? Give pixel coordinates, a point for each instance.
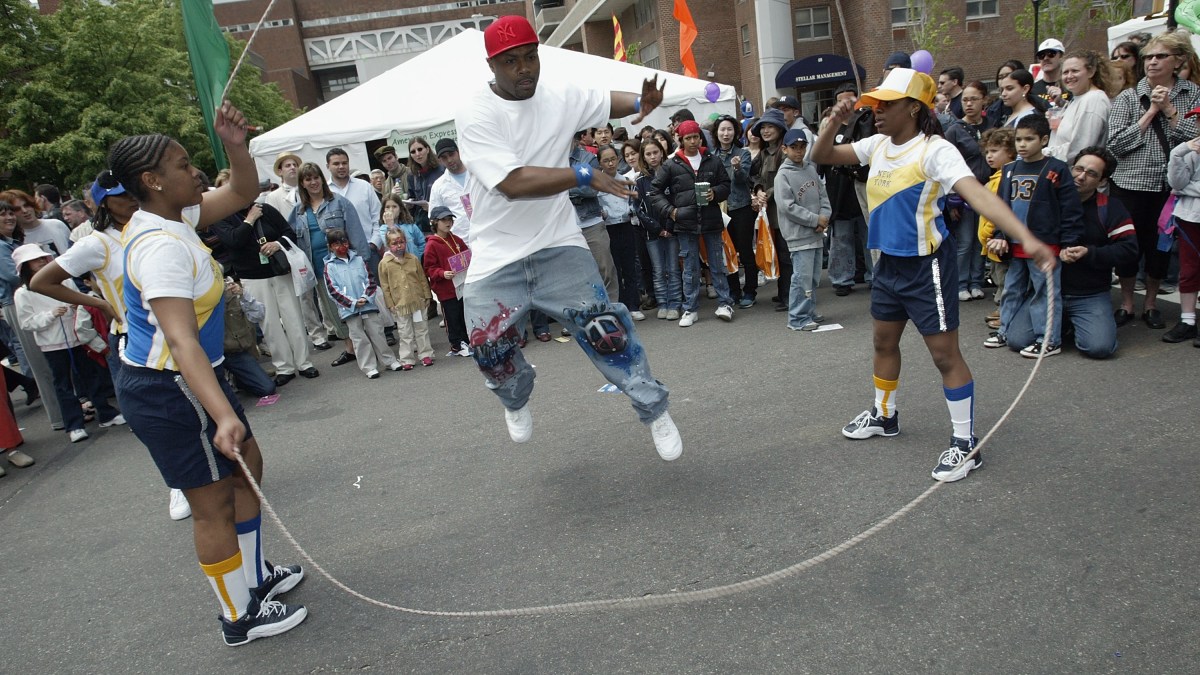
(976, 293)
(637, 315)
(520, 424)
(77, 435)
(180, 508)
(964, 296)
(662, 312)
(711, 292)
(725, 313)
(114, 422)
(672, 315)
(688, 319)
(666, 437)
(464, 351)
(395, 365)
(372, 374)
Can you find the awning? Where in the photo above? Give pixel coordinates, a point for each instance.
(817, 70)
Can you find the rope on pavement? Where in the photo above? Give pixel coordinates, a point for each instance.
(680, 597)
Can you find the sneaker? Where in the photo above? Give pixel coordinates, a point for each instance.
(842, 291)
(464, 351)
(1180, 332)
(672, 315)
(114, 422)
(372, 374)
(995, 340)
(77, 435)
(688, 319)
(976, 293)
(520, 424)
(262, 619)
(427, 361)
(725, 313)
(711, 292)
(1038, 349)
(662, 312)
(396, 365)
(867, 424)
(282, 579)
(951, 466)
(1166, 289)
(666, 437)
(746, 302)
(179, 507)
(19, 459)
(964, 296)
(810, 326)
(637, 315)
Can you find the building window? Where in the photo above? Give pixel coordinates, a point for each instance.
(978, 9)
(336, 81)
(649, 55)
(812, 23)
(643, 13)
(745, 39)
(907, 12)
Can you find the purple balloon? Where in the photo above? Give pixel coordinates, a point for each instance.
(922, 61)
(712, 92)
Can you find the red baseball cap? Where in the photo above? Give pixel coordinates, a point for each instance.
(687, 127)
(508, 32)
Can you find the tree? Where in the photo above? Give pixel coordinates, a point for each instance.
(932, 23)
(1068, 19)
(75, 81)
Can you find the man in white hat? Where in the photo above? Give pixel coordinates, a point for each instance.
(1048, 85)
(284, 199)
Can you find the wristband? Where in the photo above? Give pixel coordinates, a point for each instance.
(637, 104)
(583, 175)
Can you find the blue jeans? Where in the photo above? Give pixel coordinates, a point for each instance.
(970, 252)
(249, 375)
(74, 370)
(846, 235)
(565, 283)
(689, 251)
(1025, 297)
(802, 297)
(664, 258)
(1090, 315)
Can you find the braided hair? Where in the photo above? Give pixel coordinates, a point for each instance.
(103, 218)
(132, 156)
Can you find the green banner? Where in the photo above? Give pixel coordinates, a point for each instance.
(209, 55)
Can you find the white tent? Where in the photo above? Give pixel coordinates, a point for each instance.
(421, 95)
(1151, 23)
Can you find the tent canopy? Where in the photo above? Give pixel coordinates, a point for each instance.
(422, 94)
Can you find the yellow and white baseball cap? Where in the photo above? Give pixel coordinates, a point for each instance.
(901, 83)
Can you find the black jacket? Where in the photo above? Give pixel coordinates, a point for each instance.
(240, 240)
(674, 187)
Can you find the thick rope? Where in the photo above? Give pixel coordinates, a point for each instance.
(681, 597)
(238, 65)
(849, 47)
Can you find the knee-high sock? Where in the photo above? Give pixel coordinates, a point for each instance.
(229, 583)
(249, 534)
(885, 396)
(961, 402)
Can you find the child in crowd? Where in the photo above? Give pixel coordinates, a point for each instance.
(999, 149)
(396, 214)
(242, 311)
(1042, 193)
(406, 295)
(352, 287)
(804, 211)
(53, 324)
(440, 249)
(1183, 174)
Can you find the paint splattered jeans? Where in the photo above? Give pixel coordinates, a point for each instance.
(564, 283)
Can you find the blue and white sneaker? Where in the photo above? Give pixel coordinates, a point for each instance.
(869, 423)
(263, 618)
(282, 580)
(951, 466)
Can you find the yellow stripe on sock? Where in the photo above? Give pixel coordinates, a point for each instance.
(888, 387)
(217, 572)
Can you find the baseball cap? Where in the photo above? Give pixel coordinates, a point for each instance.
(1051, 45)
(106, 184)
(445, 145)
(795, 136)
(787, 102)
(897, 60)
(508, 32)
(439, 212)
(901, 83)
(687, 127)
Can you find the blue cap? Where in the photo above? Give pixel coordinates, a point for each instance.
(439, 212)
(795, 136)
(100, 188)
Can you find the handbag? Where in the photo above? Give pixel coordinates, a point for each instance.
(764, 250)
(304, 277)
(278, 260)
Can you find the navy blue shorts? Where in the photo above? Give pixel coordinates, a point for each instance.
(921, 288)
(168, 419)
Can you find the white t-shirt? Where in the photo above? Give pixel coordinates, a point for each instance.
(52, 235)
(102, 253)
(447, 191)
(496, 137)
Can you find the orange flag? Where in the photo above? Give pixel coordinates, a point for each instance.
(687, 35)
(618, 41)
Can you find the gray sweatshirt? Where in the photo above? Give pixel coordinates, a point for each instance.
(801, 198)
(1183, 175)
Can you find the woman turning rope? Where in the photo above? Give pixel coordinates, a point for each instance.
(912, 170)
(172, 387)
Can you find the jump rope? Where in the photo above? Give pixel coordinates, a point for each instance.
(665, 599)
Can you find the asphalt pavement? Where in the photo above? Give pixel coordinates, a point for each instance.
(1074, 549)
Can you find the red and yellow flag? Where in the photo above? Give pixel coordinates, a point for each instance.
(618, 41)
(687, 35)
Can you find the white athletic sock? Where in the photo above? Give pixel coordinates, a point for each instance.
(229, 583)
(885, 396)
(249, 534)
(961, 402)
(1188, 317)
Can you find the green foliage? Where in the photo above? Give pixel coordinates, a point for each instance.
(631, 53)
(1068, 19)
(931, 30)
(74, 82)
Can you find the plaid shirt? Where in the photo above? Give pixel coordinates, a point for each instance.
(1142, 162)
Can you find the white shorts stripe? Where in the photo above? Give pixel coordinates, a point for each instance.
(203, 416)
(939, 297)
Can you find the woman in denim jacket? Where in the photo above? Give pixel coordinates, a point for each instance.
(741, 216)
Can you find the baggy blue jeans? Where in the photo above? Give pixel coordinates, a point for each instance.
(1025, 294)
(565, 283)
(689, 251)
(802, 298)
